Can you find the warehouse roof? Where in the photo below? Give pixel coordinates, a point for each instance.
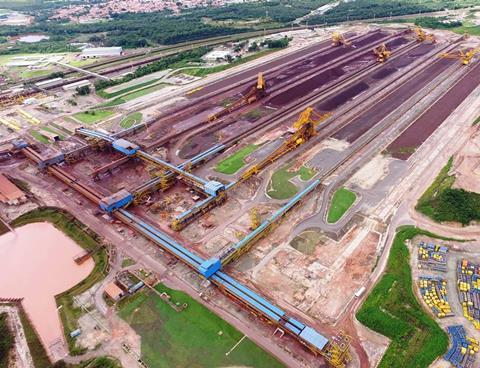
(9, 192)
(113, 291)
(102, 51)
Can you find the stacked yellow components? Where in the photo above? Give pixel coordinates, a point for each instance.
(468, 283)
(432, 256)
(434, 294)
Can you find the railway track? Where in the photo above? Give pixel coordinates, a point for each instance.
(226, 121)
(155, 55)
(295, 108)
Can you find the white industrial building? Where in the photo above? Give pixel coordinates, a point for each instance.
(217, 55)
(96, 52)
(72, 86)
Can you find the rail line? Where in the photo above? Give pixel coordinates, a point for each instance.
(293, 108)
(197, 105)
(322, 92)
(166, 50)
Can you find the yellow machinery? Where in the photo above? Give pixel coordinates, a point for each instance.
(304, 130)
(465, 56)
(422, 36)
(254, 94)
(9, 124)
(194, 91)
(337, 351)
(255, 219)
(338, 39)
(30, 118)
(382, 53)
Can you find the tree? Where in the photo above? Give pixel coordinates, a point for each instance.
(83, 90)
(253, 47)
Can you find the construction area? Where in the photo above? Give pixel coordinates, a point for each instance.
(231, 178)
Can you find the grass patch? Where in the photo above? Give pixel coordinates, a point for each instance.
(131, 120)
(104, 94)
(115, 102)
(128, 262)
(39, 355)
(100, 362)
(477, 121)
(236, 161)
(342, 200)
(38, 136)
(6, 341)
(77, 231)
(194, 337)
(93, 116)
(307, 241)
(442, 203)
(202, 72)
(142, 92)
(393, 310)
(280, 186)
(131, 96)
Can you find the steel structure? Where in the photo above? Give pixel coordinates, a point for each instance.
(465, 56)
(334, 352)
(382, 53)
(423, 36)
(256, 92)
(339, 39)
(305, 128)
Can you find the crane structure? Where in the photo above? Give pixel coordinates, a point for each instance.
(255, 93)
(465, 56)
(422, 36)
(382, 53)
(255, 219)
(304, 129)
(338, 39)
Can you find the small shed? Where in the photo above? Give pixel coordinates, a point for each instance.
(113, 291)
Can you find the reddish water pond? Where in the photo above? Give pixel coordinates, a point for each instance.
(36, 263)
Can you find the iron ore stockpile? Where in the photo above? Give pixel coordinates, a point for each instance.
(432, 256)
(462, 353)
(163, 179)
(468, 275)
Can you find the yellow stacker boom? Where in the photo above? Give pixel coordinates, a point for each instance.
(338, 39)
(382, 53)
(304, 129)
(422, 36)
(465, 56)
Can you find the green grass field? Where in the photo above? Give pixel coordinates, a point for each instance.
(393, 310)
(131, 120)
(105, 94)
(38, 136)
(93, 117)
(132, 95)
(75, 230)
(342, 200)
(442, 203)
(236, 161)
(194, 337)
(280, 186)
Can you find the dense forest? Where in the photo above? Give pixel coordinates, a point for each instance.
(366, 9)
(133, 30)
